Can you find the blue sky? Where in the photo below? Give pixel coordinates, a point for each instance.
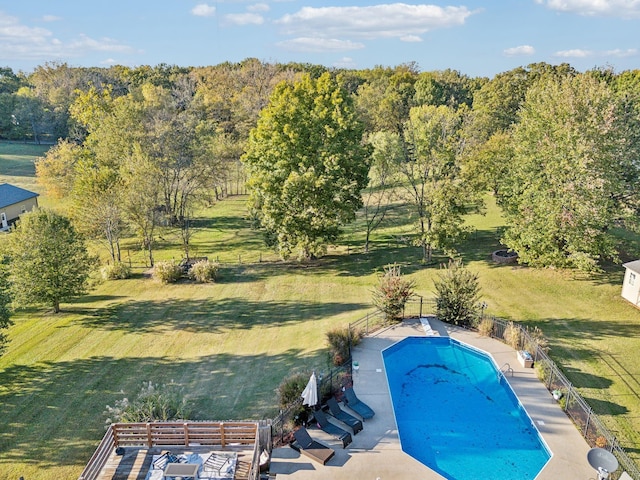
(478, 38)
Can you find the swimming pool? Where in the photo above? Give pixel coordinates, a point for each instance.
(457, 415)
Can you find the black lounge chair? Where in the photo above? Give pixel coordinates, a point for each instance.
(357, 405)
(343, 416)
(310, 447)
(331, 429)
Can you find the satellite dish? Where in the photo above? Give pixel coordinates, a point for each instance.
(603, 461)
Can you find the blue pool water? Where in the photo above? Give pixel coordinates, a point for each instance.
(457, 416)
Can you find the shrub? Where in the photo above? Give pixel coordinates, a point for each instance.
(167, 272)
(457, 295)
(392, 293)
(153, 403)
(339, 340)
(204, 271)
(512, 335)
(542, 371)
(116, 271)
(291, 387)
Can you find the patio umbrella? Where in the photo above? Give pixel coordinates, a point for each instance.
(310, 392)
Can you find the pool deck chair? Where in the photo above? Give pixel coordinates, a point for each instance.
(357, 405)
(331, 429)
(343, 416)
(310, 447)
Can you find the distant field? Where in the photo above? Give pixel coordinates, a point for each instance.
(17, 165)
(230, 344)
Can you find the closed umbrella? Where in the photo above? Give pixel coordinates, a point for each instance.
(310, 392)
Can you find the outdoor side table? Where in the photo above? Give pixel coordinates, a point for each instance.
(184, 470)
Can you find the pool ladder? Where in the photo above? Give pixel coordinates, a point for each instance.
(506, 368)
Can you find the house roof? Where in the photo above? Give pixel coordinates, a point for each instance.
(633, 266)
(10, 194)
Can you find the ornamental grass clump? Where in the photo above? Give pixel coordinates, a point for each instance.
(154, 403)
(167, 272)
(392, 293)
(116, 271)
(204, 271)
(512, 335)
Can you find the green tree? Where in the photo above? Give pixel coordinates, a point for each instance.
(384, 100)
(571, 174)
(49, 262)
(5, 301)
(457, 295)
(447, 87)
(435, 187)
(307, 165)
(377, 197)
(392, 292)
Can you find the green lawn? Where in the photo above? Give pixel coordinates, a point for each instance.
(229, 344)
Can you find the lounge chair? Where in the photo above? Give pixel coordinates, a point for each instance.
(357, 405)
(221, 463)
(331, 429)
(310, 447)
(343, 416)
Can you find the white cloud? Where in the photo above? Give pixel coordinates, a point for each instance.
(629, 52)
(580, 53)
(258, 7)
(308, 44)
(20, 42)
(203, 10)
(108, 61)
(244, 18)
(519, 50)
(395, 20)
(411, 38)
(574, 53)
(614, 8)
(345, 62)
(50, 18)
(84, 43)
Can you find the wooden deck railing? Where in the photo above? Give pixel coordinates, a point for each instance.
(184, 434)
(99, 457)
(166, 434)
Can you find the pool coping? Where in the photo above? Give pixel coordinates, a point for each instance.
(376, 452)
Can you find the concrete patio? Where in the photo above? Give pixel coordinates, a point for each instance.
(376, 452)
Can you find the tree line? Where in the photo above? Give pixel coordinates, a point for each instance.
(141, 148)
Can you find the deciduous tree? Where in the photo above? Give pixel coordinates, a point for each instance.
(570, 174)
(5, 302)
(435, 188)
(49, 261)
(307, 165)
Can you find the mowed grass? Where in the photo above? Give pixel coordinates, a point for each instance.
(230, 344)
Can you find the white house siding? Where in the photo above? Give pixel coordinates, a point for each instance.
(631, 284)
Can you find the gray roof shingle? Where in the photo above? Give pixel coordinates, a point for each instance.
(10, 194)
(633, 266)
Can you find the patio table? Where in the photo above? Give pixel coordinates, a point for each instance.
(184, 470)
